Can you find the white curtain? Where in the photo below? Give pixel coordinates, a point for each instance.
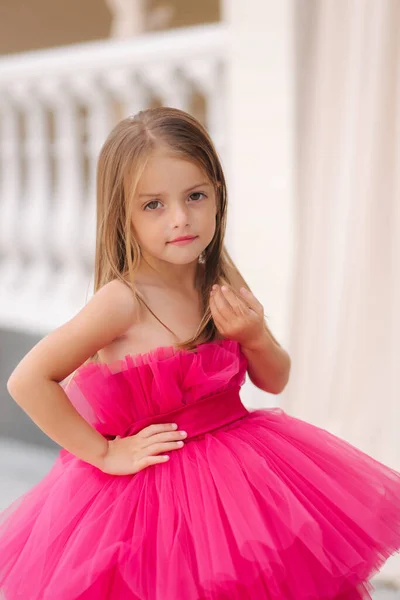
(345, 343)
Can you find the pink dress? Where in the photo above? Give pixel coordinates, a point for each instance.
(256, 505)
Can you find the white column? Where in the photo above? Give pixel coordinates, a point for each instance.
(129, 17)
(260, 142)
(133, 17)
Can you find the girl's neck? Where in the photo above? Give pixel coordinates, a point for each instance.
(167, 275)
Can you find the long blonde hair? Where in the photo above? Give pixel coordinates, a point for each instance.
(121, 162)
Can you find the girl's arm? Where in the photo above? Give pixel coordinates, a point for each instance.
(241, 318)
(35, 382)
(268, 363)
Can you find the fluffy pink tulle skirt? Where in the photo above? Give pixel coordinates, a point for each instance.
(266, 507)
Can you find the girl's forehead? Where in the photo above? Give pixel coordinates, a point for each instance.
(166, 171)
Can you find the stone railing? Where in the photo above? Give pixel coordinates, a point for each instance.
(56, 108)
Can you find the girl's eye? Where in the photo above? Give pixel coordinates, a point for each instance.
(152, 205)
(196, 194)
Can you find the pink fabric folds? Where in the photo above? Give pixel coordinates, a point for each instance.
(197, 418)
(256, 505)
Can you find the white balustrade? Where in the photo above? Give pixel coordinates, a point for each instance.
(56, 109)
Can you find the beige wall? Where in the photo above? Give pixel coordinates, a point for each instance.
(191, 12)
(35, 24)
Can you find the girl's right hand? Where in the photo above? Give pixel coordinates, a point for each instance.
(126, 456)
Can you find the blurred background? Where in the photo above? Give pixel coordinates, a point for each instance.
(302, 100)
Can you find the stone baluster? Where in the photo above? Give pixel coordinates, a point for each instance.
(10, 194)
(169, 84)
(128, 88)
(99, 122)
(207, 76)
(66, 217)
(36, 200)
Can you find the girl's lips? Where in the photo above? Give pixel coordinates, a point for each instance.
(183, 241)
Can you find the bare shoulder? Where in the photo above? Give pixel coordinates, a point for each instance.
(116, 294)
(107, 315)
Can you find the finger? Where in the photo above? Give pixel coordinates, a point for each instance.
(156, 428)
(251, 300)
(219, 319)
(238, 306)
(158, 438)
(222, 304)
(161, 448)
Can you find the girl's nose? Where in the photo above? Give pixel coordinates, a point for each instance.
(180, 215)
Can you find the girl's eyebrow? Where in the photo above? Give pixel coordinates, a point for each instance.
(204, 183)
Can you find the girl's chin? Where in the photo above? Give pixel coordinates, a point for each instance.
(182, 263)
(172, 260)
(179, 256)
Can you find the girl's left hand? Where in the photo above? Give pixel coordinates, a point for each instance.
(239, 318)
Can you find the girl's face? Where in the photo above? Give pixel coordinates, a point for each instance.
(174, 199)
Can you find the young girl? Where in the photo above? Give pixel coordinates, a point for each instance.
(167, 487)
